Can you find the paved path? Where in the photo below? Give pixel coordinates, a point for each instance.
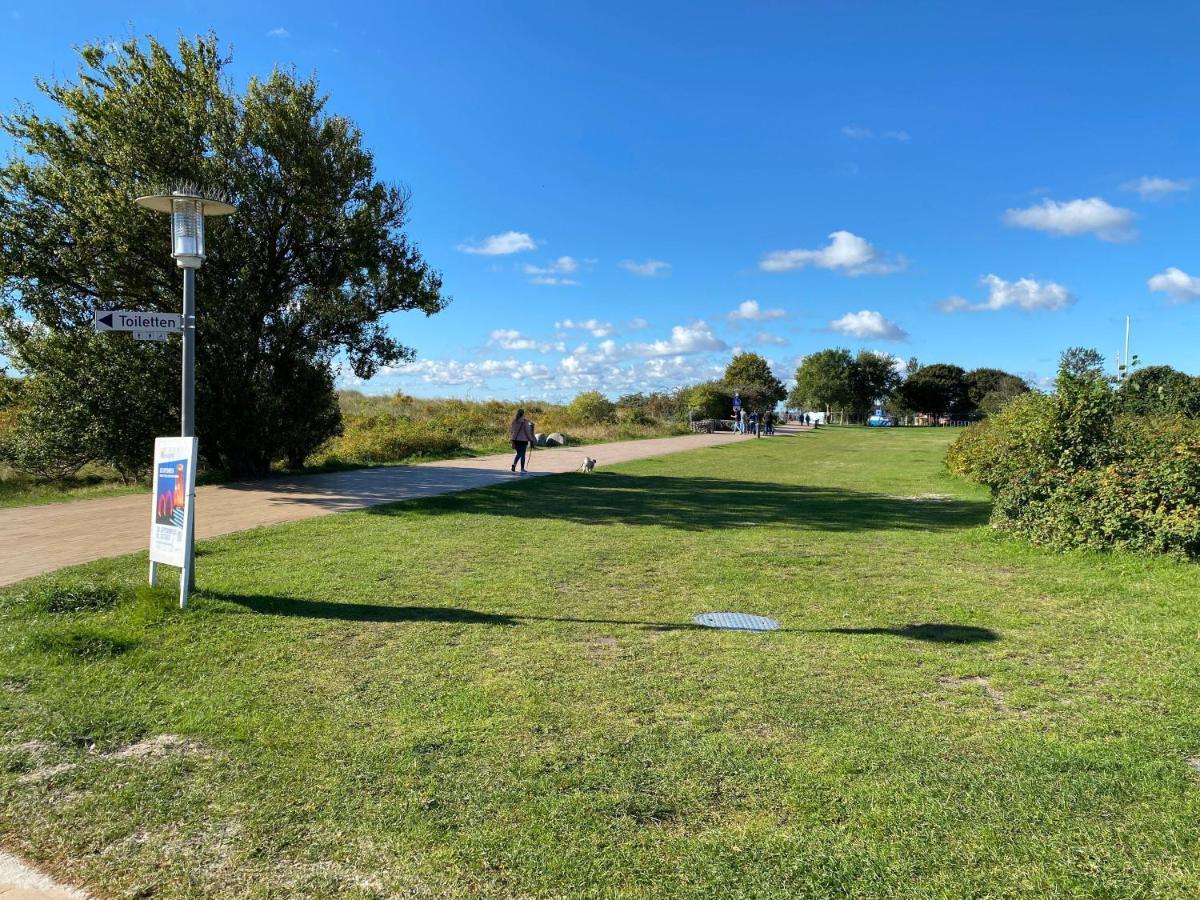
(37, 539)
(21, 882)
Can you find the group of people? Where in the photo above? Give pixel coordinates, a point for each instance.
(753, 423)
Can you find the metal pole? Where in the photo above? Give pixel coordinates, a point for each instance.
(189, 353)
(188, 424)
(1125, 372)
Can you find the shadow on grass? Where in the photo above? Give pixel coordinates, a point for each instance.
(938, 633)
(700, 504)
(934, 632)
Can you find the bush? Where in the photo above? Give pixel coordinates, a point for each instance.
(1066, 472)
(383, 439)
(592, 408)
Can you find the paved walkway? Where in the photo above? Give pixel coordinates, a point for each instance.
(37, 539)
(21, 882)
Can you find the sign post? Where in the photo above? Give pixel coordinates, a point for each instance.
(172, 514)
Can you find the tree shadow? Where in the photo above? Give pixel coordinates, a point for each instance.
(698, 504)
(934, 632)
(265, 604)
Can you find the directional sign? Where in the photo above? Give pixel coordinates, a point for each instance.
(127, 320)
(150, 335)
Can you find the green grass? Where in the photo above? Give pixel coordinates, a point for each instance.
(500, 694)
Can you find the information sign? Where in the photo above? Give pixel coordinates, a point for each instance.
(174, 493)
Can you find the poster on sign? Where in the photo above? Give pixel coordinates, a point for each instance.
(174, 492)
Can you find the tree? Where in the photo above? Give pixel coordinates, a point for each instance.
(1161, 390)
(873, 377)
(296, 284)
(707, 400)
(823, 381)
(937, 389)
(750, 375)
(988, 390)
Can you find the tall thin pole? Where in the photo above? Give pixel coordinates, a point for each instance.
(1125, 371)
(189, 353)
(188, 423)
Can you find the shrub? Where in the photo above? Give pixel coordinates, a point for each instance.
(383, 439)
(1067, 472)
(592, 408)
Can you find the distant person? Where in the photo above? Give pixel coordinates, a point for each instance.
(754, 424)
(520, 432)
(769, 418)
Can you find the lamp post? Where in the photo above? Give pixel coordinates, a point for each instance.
(187, 211)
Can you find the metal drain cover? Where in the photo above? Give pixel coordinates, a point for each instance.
(735, 620)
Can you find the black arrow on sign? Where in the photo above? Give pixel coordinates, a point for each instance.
(106, 320)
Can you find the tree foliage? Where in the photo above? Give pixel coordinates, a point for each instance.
(296, 284)
(873, 378)
(823, 381)
(708, 400)
(750, 375)
(937, 389)
(1161, 390)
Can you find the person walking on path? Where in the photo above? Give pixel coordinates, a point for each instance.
(520, 432)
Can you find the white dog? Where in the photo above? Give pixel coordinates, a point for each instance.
(588, 464)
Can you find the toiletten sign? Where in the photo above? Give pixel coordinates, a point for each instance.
(174, 493)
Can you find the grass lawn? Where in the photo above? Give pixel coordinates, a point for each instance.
(500, 694)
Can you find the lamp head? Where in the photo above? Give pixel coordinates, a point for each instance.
(188, 211)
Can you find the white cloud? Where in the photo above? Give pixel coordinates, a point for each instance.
(552, 273)
(858, 133)
(869, 325)
(685, 339)
(1024, 293)
(510, 339)
(846, 252)
(501, 244)
(453, 372)
(594, 326)
(1177, 284)
(636, 324)
(1151, 187)
(749, 311)
(765, 337)
(279, 33)
(1090, 216)
(647, 269)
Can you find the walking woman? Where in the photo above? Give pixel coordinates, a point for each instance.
(520, 432)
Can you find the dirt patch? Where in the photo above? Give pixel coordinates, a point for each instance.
(157, 747)
(15, 686)
(42, 756)
(928, 498)
(1194, 762)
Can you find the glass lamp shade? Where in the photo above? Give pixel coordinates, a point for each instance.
(187, 231)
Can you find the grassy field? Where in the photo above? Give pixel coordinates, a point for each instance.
(501, 694)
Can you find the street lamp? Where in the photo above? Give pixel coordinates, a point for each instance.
(187, 211)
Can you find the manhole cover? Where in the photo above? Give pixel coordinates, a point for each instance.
(735, 620)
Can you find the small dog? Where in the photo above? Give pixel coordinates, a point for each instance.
(588, 465)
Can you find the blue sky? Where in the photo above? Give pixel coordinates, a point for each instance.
(969, 183)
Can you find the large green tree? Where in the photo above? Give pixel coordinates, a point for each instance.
(296, 284)
(988, 390)
(937, 389)
(823, 381)
(750, 375)
(873, 378)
